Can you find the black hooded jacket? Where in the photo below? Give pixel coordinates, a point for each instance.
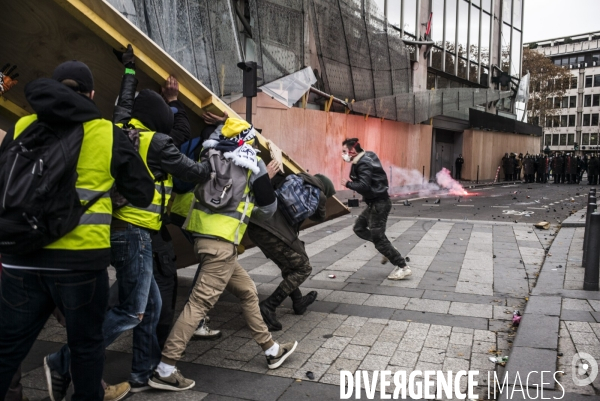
(56, 104)
(163, 155)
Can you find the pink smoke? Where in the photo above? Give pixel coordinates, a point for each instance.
(445, 181)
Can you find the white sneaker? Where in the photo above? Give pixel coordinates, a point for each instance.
(400, 273)
(203, 332)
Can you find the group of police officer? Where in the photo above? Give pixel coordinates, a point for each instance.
(561, 167)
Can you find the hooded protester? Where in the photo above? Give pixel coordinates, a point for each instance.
(70, 273)
(368, 178)
(279, 240)
(132, 228)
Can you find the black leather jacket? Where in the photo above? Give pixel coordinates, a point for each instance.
(163, 156)
(369, 178)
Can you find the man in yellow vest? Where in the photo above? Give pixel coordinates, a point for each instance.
(216, 237)
(131, 229)
(71, 272)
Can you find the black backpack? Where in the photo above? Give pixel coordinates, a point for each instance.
(39, 203)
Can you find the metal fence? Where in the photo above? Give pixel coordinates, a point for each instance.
(417, 107)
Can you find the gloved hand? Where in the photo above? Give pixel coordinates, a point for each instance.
(127, 57)
(8, 78)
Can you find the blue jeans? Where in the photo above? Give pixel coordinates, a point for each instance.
(131, 256)
(28, 297)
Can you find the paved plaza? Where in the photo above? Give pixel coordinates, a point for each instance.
(453, 313)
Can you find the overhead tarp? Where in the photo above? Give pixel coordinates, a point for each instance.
(289, 89)
(44, 33)
(414, 108)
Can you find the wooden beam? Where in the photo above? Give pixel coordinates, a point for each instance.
(12, 109)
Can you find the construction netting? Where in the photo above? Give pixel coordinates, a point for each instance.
(353, 51)
(417, 107)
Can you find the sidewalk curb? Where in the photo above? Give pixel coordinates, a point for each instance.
(535, 346)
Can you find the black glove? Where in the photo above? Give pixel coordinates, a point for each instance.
(127, 58)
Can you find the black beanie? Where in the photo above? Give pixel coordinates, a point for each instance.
(327, 184)
(152, 110)
(76, 71)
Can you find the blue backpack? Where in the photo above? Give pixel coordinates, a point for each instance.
(296, 199)
(188, 148)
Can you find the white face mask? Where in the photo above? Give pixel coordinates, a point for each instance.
(346, 157)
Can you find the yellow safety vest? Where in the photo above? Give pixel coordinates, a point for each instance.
(181, 204)
(227, 226)
(149, 217)
(93, 180)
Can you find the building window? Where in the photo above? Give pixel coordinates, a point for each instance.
(595, 120)
(593, 139)
(555, 139)
(563, 121)
(585, 139)
(570, 139)
(563, 139)
(588, 81)
(557, 101)
(587, 101)
(556, 121)
(571, 120)
(596, 100)
(597, 80)
(572, 101)
(547, 140)
(548, 122)
(573, 82)
(564, 102)
(586, 120)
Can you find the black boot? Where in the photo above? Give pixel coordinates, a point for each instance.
(268, 308)
(300, 303)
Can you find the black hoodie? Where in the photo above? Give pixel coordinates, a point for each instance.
(55, 103)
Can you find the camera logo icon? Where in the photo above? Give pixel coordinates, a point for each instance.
(584, 369)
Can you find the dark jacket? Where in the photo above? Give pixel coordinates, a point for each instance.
(281, 228)
(54, 103)
(163, 155)
(369, 178)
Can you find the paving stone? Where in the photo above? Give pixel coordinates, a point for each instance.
(346, 330)
(467, 309)
(428, 305)
(317, 368)
(411, 344)
(364, 311)
(483, 346)
(364, 339)
(579, 326)
(350, 365)
(355, 352)
(484, 335)
(455, 364)
(325, 356)
(337, 342)
(375, 362)
(458, 351)
(383, 348)
(438, 342)
(576, 304)
(461, 338)
(404, 358)
(387, 301)
(432, 355)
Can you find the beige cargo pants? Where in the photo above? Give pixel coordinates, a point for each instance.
(220, 270)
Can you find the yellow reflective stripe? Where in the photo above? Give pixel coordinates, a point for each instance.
(235, 215)
(181, 204)
(96, 218)
(216, 225)
(83, 237)
(88, 194)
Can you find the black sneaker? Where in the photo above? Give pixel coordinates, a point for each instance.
(285, 350)
(57, 383)
(137, 387)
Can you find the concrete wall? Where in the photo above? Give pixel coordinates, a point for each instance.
(485, 148)
(313, 138)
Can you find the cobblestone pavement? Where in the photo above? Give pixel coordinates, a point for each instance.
(453, 313)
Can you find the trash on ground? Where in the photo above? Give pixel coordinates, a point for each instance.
(516, 320)
(310, 375)
(331, 276)
(542, 225)
(500, 360)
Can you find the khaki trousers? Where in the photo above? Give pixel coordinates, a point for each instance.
(220, 270)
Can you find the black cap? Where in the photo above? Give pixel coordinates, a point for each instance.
(78, 72)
